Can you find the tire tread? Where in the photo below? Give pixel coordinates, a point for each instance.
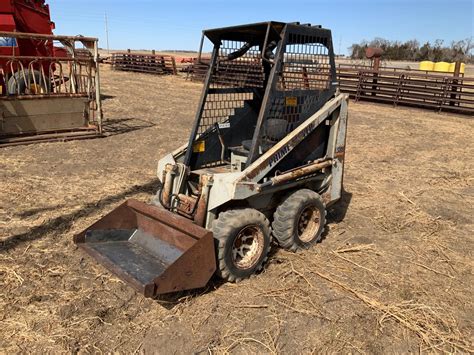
(284, 220)
(224, 226)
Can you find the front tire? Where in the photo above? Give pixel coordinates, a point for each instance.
(243, 241)
(298, 222)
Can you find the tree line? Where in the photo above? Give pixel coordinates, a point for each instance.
(413, 51)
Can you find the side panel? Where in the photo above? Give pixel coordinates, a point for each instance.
(6, 7)
(223, 189)
(240, 186)
(42, 115)
(312, 148)
(260, 168)
(337, 172)
(33, 17)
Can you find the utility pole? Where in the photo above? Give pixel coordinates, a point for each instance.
(107, 32)
(340, 43)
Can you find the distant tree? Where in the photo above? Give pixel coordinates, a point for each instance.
(424, 52)
(438, 52)
(358, 50)
(411, 50)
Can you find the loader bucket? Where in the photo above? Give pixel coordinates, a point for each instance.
(153, 250)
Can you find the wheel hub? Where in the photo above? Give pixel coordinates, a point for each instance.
(35, 89)
(308, 223)
(247, 247)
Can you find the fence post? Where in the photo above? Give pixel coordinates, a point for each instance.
(175, 70)
(454, 88)
(375, 55)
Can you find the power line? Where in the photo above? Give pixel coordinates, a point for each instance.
(107, 32)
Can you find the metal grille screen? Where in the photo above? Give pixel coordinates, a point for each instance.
(305, 73)
(231, 84)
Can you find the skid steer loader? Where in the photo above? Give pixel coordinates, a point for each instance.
(264, 160)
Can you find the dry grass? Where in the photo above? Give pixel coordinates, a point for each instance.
(394, 273)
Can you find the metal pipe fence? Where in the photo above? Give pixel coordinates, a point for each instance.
(431, 90)
(141, 63)
(441, 91)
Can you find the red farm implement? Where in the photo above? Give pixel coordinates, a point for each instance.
(49, 85)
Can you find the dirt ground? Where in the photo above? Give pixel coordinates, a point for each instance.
(393, 274)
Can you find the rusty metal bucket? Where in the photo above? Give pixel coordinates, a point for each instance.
(153, 250)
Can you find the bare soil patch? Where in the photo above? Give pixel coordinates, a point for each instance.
(393, 274)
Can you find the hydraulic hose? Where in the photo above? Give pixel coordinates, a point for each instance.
(239, 53)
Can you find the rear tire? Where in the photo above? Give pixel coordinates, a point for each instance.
(18, 85)
(298, 222)
(243, 241)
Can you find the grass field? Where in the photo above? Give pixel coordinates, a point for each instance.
(394, 272)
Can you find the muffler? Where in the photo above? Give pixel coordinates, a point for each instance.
(153, 250)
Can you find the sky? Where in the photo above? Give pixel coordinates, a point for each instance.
(161, 25)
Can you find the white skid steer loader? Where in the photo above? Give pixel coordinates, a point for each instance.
(264, 160)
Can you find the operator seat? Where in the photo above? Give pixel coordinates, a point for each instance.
(274, 131)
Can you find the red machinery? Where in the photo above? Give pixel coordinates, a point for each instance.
(30, 16)
(46, 92)
(27, 16)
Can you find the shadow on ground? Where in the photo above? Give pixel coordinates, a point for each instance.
(125, 125)
(337, 213)
(171, 300)
(64, 223)
(105, 97)
(36, 211)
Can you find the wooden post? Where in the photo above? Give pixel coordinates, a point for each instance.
(175, 70)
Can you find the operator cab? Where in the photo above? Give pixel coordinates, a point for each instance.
(264, 80)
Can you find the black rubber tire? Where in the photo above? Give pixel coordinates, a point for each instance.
(287, 217)
(227, 228)
(19, 79)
